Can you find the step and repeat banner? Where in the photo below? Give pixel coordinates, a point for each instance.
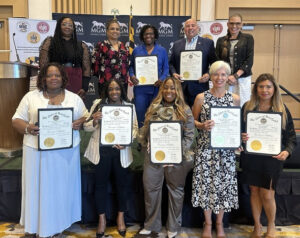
(29, 34)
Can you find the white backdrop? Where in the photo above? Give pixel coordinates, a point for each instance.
(29, 34)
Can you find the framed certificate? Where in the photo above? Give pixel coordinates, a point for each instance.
(226, 134)
(165, 142)
(264, 131)
(146, 69)
(191, 65)
(116, 125)
(55, 126)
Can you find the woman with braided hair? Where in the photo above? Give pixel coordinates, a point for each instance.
(74, 55)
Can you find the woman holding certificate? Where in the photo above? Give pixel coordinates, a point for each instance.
(261, 171)
(168, 106)
(51, 183)
(214, 175)
(111, 57)
(109, 159)
(148, 68)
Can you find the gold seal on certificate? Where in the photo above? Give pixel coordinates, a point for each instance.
(256, 145)
(109, 137)
(165, 142)
(264, 131)
(226, 134)
(49, 142)
(186, 75)
(55, 128)
(116, 125)
(146, 69)
(191, 65)
(160, 155)
(142, 80)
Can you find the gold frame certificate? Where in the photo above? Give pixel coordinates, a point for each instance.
(226, 134)
(116, 125)
(191, 65)
(264, 131)
(146, 69)
(55, 128)
(165, 142)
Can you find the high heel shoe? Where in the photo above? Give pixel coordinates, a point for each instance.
(218, 225)
(100, 235)
(122, 232)
(206, 236)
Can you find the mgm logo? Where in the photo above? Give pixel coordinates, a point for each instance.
(165, 29)
(98, 28)
(123, 28)
(79, 27)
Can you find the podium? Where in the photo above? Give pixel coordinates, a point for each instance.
(14, 84)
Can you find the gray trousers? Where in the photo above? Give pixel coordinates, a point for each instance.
(153, 178)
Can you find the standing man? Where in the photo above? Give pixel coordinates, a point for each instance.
(192, 42)
(237, 49)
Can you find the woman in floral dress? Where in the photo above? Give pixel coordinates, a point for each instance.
(214, 175)
(111, 57)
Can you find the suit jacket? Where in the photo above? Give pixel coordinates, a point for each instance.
(208, 57)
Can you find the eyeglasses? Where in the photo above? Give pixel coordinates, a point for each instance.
(67, 25)
(235, 23)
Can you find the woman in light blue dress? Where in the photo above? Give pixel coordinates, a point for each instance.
(51, 183)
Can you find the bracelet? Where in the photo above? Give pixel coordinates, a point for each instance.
(236, 76)
(26, 129)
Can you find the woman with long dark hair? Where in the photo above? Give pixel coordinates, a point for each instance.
(261, 172)
(107, 159)
(74, 55)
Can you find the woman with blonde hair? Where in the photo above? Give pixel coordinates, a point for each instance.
(261, 172)
(169, 105)
(214, 176)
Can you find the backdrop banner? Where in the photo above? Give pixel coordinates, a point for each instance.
(28, 35)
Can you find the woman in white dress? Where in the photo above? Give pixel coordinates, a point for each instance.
(51, 183)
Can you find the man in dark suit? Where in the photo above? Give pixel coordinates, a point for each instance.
(192, 42)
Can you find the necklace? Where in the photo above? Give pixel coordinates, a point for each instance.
(58, 97)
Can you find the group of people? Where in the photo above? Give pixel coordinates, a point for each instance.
(51, 194)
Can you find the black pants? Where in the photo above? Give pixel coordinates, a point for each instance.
(110, 162)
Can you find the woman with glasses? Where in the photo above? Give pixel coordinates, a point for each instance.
(74, 55)
(111, 57)
(237, 49)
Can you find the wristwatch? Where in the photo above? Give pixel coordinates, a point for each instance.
(236, 76)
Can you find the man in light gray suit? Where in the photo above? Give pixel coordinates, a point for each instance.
(193, 42)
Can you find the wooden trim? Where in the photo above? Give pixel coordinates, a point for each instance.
(20, 7)
(223, 6)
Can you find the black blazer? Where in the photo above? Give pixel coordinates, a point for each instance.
(208, 57)
(243, 52)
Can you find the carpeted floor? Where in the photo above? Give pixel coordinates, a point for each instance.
(12, 230)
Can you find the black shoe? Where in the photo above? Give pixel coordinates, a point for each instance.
(122, 233)
(100, 235)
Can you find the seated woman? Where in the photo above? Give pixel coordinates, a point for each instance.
(51, 184)
(259, 171)
(214, 176)
(107, 160)
(169, 105)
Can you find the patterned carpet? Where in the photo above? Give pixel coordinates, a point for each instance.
(12, 230)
